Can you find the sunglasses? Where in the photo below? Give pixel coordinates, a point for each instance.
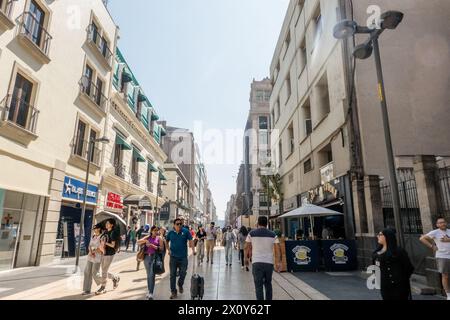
(178, 224)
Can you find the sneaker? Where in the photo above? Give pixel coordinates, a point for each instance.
(173, 296)
(247, 269)
(86, 293)
(180, 288)
(242, 268)
(150, 296)
(116, 282)
(101, 290)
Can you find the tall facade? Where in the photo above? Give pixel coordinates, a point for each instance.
(328, 142)
(51, 67)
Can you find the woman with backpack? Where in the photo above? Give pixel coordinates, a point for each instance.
(153, 244)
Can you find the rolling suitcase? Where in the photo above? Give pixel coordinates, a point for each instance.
(197, 287)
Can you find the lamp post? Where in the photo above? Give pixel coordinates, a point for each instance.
(347, 29)
(91, 145)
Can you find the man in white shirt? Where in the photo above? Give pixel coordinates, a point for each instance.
(259, 245)
(210, 242)
(439, 241)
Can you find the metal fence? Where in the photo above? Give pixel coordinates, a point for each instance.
(409, 203)
(442, 179)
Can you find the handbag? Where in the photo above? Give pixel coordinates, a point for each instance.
(141, 254)
(158, 264)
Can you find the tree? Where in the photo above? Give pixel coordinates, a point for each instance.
(273, 185)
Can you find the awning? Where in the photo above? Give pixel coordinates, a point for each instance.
(151, 167)
(137, 156)
(126, 76)
(141, 201)
(155, 117)
(141, 97)
(161, 176)
(121, 142)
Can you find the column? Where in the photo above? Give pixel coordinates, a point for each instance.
(50, 221)
(424, 170)
(359, 210)
(374, 209)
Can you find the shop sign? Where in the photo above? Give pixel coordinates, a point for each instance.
(327, 173)
(321, 192)
(339, 253)
(114, 201)
(301, 255)
(73, 189)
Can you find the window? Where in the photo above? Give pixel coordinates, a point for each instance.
(263, 123)
(278, 109)
(280, 153)
(288, 88)
(322, 97)
(306, 111)
(267, 96)
(318, 29)
(97, 38)
(89, 74)
(307, 166)
(149, 180)
(325, 155)
(6, 7)
(19, 105)
(263, 199)
(291, 138)
(272, 118)
(303, 56)
(291, 178)
(259, 95)
(92, 85)
(287, 43)
(80, 138)
(35, 22)
(99, 92)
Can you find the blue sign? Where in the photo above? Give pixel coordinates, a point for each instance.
(302, 256)
(73, 189)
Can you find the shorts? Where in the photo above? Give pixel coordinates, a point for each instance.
(443, 265)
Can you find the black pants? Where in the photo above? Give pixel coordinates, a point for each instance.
(262, 276)
(241, 256)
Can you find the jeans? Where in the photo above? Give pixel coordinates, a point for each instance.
(175, 263)
(106, 263)
(200, 251)
(91, 271)
(229, 254)
(134, 245)
(209, 250)
(148, 262)
(262, 276)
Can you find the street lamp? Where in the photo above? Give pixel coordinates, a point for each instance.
(91, 145)
(347, 29)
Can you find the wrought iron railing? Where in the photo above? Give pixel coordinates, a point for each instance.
(19, 112)
(443, 192)
(93, 92)
(80, 148)
(33, 30)
(6, 8)
(100, 43)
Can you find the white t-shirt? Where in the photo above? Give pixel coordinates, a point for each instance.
(210, 233)
(443, 247)
(262, 241)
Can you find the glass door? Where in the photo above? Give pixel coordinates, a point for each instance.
(35, 23)
(20, 101)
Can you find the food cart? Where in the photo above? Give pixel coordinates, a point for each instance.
(309, 255)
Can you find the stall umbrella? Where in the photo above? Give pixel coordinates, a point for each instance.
(310, 210)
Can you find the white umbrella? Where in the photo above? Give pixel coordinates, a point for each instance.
(310, 210)
(105, 215)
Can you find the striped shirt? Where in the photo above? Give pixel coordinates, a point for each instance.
(262, 240)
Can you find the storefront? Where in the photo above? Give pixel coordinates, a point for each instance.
(20, 228)
(70, 217)
(138, 210)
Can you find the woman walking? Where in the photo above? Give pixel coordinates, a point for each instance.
(201, 236)
(133, 238)
(395, 266)
(153, 245)
(94, 260)
(242, 236)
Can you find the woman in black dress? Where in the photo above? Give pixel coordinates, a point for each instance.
(395, 266)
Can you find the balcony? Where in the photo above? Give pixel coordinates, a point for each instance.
(136, 179)
(5, 14)
(93, 95)
(18, 119)
(35, 37)
(100, 47)
(119, 170)
(80, 153)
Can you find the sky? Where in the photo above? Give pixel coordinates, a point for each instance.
(195, 60)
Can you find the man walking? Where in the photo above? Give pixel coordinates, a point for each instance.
(111, 239)
(230, 242)
(210, 242)
(127, 238)
(439, 241)
(259, 245)
(177, 240)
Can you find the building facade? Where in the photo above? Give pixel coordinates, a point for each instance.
(328, 142)
(52, 66)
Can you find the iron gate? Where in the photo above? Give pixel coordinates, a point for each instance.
(443, 192)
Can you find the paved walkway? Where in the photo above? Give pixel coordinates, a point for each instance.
(221, 283)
